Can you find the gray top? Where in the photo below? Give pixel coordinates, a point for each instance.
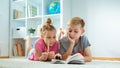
(79, 47)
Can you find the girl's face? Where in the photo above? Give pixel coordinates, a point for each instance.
(75, 31)
(50, 37)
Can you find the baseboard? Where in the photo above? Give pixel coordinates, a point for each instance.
(94, 58)
(106, 58)
(4, 56)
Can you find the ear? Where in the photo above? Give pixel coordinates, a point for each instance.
(41, 36)
(83, 31)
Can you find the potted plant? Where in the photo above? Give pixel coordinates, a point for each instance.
(31, 30)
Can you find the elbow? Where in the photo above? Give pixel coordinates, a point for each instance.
(64, 57)
(88, 59)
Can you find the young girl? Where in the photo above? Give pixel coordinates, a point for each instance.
(75, 41)
(46, 46)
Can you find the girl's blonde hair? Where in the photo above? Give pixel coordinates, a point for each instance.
(47, 26)
(76, 21)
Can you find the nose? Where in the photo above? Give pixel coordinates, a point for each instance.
(52, 39)
(72, 33)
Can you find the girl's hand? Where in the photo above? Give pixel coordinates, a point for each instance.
(44, 56)
(72, 41)
(51, 55)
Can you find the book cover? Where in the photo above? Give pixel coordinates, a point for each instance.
(17, 14)
(19, 49)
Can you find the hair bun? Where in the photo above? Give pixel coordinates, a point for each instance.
(48, 21)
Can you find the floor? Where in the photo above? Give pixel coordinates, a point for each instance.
(24, 63)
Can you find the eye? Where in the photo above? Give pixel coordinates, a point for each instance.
(54, 37)
(48, 37)
(76, 31)
(70, 30)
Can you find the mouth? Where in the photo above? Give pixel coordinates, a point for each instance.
(72, 37)
(50, 44)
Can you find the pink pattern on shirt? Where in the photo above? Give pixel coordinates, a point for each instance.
(40, 46)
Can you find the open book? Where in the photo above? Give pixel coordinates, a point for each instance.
(74, 59)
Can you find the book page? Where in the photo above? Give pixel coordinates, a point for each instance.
(74, 57)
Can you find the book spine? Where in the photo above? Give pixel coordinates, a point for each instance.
(19, 50)
(15, 50)
(32, 11)
(17, 14)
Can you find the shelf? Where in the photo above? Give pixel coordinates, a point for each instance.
(36, 17)
(34, 2)
(18, 3)
(19, 19)
(18, 38)
(18, 47)
(51, 15)
(30, 14)
(34, 36)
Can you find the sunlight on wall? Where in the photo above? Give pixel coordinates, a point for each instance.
(102, 25)
(105, 28)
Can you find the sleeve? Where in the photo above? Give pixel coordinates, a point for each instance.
(56, 47)
(86, 42)
(38, 46)
(61, 49)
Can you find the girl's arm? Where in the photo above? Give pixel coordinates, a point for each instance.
(87, 55)
(42, 55)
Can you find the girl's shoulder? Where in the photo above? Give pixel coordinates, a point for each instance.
(83, 37)
(38, 41)
(56, 43)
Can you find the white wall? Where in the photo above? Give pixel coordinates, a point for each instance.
(4, 27)
(102, 19)
(66, 12)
